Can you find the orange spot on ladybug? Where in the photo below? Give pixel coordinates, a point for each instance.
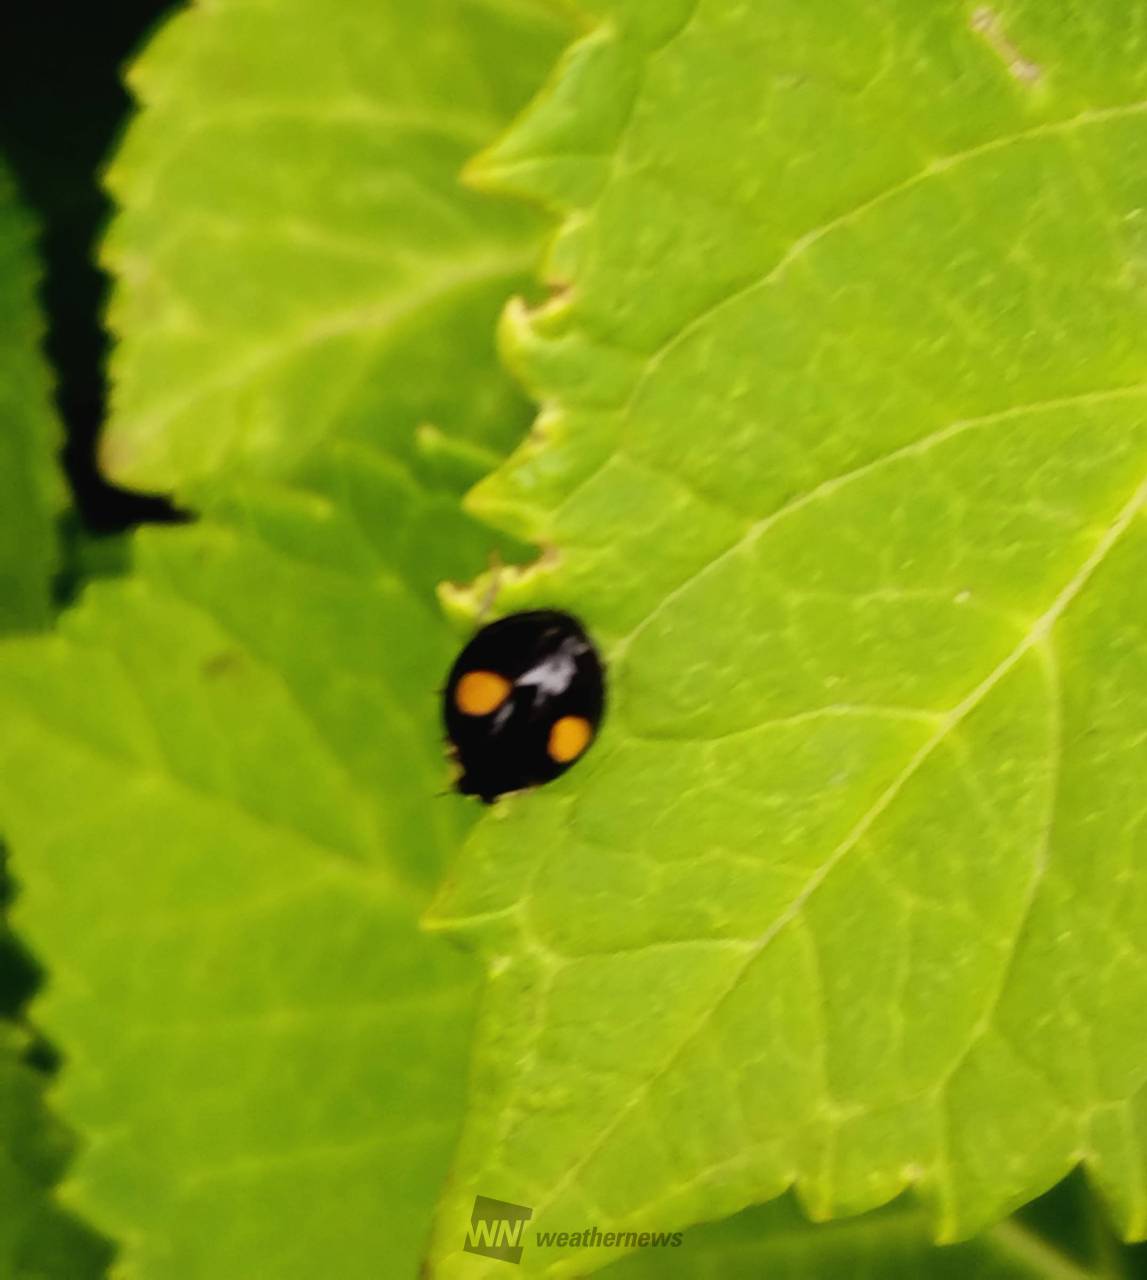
(568, 738)
(480, 692)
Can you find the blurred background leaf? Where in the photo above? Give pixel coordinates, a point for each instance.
(31, 490)
(62, 103)
(295, 258)
(246, 726)
(36, 1238)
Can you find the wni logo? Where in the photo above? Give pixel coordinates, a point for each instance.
(496, 1229)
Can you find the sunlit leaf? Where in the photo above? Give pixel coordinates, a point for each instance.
(842, 455)
(294, 256)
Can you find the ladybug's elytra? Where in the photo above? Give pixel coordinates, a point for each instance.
(523, 702)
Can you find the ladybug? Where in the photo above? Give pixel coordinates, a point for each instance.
(522, 703)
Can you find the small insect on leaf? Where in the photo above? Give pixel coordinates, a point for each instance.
(523, 702)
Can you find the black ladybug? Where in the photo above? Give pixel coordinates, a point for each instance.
(523, 702)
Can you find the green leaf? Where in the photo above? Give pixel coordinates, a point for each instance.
(220, 777)
(1059, 1237)
(264, 1057)
(30, 488)
(294, 257)
(36, 1238)
(843, 456)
